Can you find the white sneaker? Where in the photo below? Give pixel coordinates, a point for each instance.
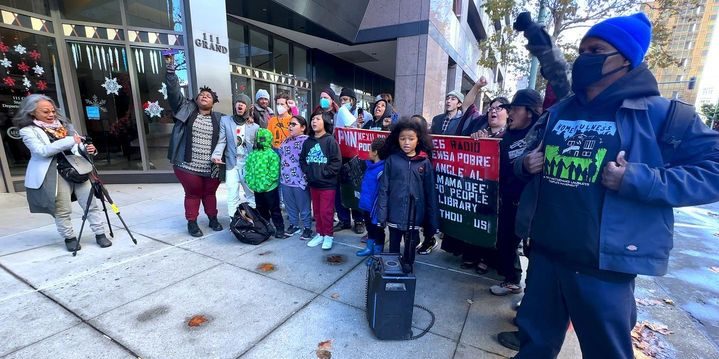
(327, 243)
(314, 242)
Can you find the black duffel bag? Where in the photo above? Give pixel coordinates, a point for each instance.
(248, 225)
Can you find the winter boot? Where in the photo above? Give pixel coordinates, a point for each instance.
(71, 244)
(368, 251)
(102, 241)
(194, 229)
(215, 224)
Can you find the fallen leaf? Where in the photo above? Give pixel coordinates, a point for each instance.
(266, 267)
(669, 301)
(713, 214)
(197, 321)
(648, 302)
(325, 345)
(714, 269)
(470, 301)
(335, 295)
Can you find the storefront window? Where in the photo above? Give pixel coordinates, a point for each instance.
(300, 62)
(28, 64)
(241, 85)
(103, 11)
(260, 51)
(281, 53)
(302, 98)
(157, 116)
(239, 50)
(105, 93)
(160, 14)
(36, 6)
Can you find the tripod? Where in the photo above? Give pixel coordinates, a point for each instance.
(410, 243)
(97, 189)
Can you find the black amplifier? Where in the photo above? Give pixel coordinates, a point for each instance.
(390, 298)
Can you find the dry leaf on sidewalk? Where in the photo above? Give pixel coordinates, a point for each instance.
(668, 301)
(647, 302)
(335, 295)
(714, 269)
(648, 342)
(324, 349)
(470, 301)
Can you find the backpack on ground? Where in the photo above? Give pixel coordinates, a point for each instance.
(248, 225)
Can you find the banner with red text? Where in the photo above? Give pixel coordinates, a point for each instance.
(466, 176)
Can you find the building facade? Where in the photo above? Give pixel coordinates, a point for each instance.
(101, 61)
(690, 42)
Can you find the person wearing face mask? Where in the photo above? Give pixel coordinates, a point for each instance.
(328, 106)
(348, 99)
(279, 124)
(261, 111)
(598, 205)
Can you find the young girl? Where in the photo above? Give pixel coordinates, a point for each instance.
(293, 182)
(408, 178)
(368, 199)
(321, 162)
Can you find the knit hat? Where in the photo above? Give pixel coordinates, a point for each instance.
(456, 94)
(349, 92)
(332, 94)
(244, 99)
(262, 93)
(630, 35)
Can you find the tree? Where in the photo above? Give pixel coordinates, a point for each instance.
(564, 15)
(711, 111)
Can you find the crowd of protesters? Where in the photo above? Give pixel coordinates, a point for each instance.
(594, 217)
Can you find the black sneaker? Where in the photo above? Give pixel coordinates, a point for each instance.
(359, 227)
(292, 230)
(215, 224)
(509, 340)
(306, 234)
(427, 246)
(280, 233)
(341, 226)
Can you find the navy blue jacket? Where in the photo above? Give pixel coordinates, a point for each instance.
(370, 188)
(402, 177)
(637, 222)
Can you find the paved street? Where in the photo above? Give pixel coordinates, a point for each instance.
(137, 300)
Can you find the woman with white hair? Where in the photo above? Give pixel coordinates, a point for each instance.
(50, 181)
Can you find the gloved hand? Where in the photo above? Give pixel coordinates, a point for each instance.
(537, 37)
(523, 21)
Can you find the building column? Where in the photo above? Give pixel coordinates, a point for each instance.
(420, 76)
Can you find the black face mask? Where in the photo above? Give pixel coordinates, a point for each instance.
(587, 70)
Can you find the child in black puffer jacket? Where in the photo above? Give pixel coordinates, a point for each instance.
(408, 178)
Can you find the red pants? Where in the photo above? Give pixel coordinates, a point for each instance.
(198, 189)
(323, 208)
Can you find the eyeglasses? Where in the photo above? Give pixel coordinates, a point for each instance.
(293, 124)
(495, 108)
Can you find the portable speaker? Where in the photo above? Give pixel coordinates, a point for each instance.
(390, 298)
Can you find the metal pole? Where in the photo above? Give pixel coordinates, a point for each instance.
(534, 66)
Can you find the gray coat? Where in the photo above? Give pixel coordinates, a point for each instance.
(227, 135)
(184, 112)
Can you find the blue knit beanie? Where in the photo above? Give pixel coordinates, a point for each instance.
(630, 35)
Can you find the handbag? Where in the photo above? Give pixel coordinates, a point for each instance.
(74, 168)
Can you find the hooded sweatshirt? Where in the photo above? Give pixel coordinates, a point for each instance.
(263, 164)
(375, 123)
(579, 142)
(321, 161)
(291, 174)
(370, 187)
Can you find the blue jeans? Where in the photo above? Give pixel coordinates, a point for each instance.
(297, 205)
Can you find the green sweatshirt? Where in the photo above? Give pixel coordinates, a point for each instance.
(262, 171)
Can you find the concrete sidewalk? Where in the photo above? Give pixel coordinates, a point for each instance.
(136, 300)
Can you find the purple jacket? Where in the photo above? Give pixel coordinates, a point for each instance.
(290, 172)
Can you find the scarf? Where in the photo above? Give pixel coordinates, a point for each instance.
(56, 129)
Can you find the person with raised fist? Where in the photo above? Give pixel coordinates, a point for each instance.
(602, 185)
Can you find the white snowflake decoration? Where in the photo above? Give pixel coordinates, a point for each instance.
(97, 103)
(154, 109)
(163, 91)
(26, 82)
(111, 86)
(5, 62)
(38, 70)
(20, 49)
